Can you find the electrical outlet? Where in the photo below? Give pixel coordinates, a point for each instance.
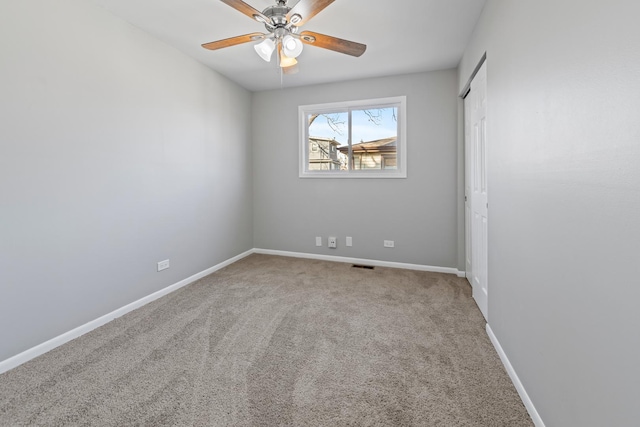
(333, 242)
(348, 241)
(318, 241)
(163, 265)
(389, 244)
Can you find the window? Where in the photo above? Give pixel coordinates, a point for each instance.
(358, 139)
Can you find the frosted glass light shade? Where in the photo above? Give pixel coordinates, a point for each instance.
(291, 46)
(265, 49)
(285, 61)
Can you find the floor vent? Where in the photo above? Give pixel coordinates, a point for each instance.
(366, 267)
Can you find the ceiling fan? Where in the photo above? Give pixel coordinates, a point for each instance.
(283, 25)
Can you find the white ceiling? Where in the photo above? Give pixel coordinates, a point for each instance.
(402, 36)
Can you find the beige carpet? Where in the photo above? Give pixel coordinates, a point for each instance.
(272, 341)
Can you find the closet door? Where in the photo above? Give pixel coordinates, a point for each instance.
(477, 205)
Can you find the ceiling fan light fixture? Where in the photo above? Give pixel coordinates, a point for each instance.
(265, 49)
(291, 46)
(286, 61)
(290, 70)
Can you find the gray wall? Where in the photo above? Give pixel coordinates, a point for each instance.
(564, 197)
(418, 213)
(116, 152)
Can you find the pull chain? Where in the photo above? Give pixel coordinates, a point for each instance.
(278, 45)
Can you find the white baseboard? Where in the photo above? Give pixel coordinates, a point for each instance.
(40, 349)
(533, 413)
(375, 263)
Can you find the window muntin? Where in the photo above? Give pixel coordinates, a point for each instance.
(359, 139)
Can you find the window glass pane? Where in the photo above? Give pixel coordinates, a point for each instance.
(375, 134)
(328, 134)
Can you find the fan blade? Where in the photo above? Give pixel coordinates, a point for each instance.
(333, 43)
(234, 41)
(307, 9)
(252, 13)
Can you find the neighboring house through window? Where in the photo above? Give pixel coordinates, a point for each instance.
(324, 156)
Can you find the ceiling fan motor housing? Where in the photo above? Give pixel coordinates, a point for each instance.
(277, 14)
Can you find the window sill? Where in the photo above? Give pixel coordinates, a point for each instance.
(352, 175)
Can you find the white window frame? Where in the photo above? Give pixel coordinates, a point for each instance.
(401, 144)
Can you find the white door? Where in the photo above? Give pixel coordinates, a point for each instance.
(476, 188)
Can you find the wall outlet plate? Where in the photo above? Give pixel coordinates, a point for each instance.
(333, 242)
(163, 265)
(389, 244)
